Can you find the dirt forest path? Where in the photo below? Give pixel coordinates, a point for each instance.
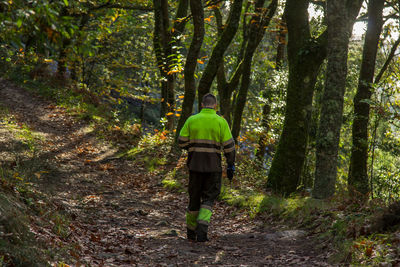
(124, 217)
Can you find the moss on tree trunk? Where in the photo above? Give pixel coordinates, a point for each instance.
(358, 177)
(191, 62)
(305, 56)
(340, 23)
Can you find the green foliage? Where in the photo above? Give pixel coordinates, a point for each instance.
(61, 224)
(376, 249)
(172, 184)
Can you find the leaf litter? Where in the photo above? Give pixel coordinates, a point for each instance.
(122, 216)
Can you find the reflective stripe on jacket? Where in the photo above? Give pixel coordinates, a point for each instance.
(205, 135)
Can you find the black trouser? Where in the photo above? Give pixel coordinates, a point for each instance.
(204, 188)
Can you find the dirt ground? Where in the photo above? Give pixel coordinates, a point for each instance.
(122, 216)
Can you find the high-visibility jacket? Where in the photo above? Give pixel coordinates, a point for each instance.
(205, 135)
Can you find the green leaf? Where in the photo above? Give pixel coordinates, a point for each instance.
(66, 2)
(19, 23)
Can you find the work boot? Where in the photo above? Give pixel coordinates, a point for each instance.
(202, 237)
(191, 234)
(201, 232)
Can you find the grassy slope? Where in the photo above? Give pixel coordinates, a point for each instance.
(25, 212)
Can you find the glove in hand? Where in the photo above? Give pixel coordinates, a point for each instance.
(230, 171)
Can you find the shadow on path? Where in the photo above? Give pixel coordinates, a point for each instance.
(122, 216)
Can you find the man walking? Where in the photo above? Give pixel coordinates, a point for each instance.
(205, 135)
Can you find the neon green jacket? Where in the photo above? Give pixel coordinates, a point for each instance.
(205, 135)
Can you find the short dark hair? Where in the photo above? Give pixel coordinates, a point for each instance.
(209, 100)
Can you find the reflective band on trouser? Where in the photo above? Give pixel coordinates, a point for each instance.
(204, 215)
(191, 219)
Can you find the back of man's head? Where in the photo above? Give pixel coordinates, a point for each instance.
(209, 100)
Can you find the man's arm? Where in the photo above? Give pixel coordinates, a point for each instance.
(183, 139)
(228, 144)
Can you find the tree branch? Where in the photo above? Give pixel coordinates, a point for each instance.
(387, 62)
(128, 7)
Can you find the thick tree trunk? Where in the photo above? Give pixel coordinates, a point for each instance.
(340, 24)
(305, 56)
(358, 176)
(196, 7)
(164, 48)
(219, 49)
(159, 52)
(260, 21)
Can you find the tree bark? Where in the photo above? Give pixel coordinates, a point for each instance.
(219, 49)
(388, 60)
(225, 88)
(257, 30)
(280, 50)
(262, 142)
(358, 176)
(180, 17)
(167, 45)
(159, 52)
(340, 20)
(305, 56)
(196, 7)
(164, 49)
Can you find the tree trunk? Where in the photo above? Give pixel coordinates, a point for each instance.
(358, 176)
(280, 50)
(225, 88)
(62, 59)
(164, 48)
(262, 142)
(257, 29)
(388, 60)
(340, 24)
(305, 56)
(180, 17)
(170, 76)
(159, 52)
(62, 56)
(196, 7)
(219, 49)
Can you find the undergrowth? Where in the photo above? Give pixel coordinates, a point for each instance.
(24, 210)
(107, 121)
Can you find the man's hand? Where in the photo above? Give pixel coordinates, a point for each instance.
(230, 171)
